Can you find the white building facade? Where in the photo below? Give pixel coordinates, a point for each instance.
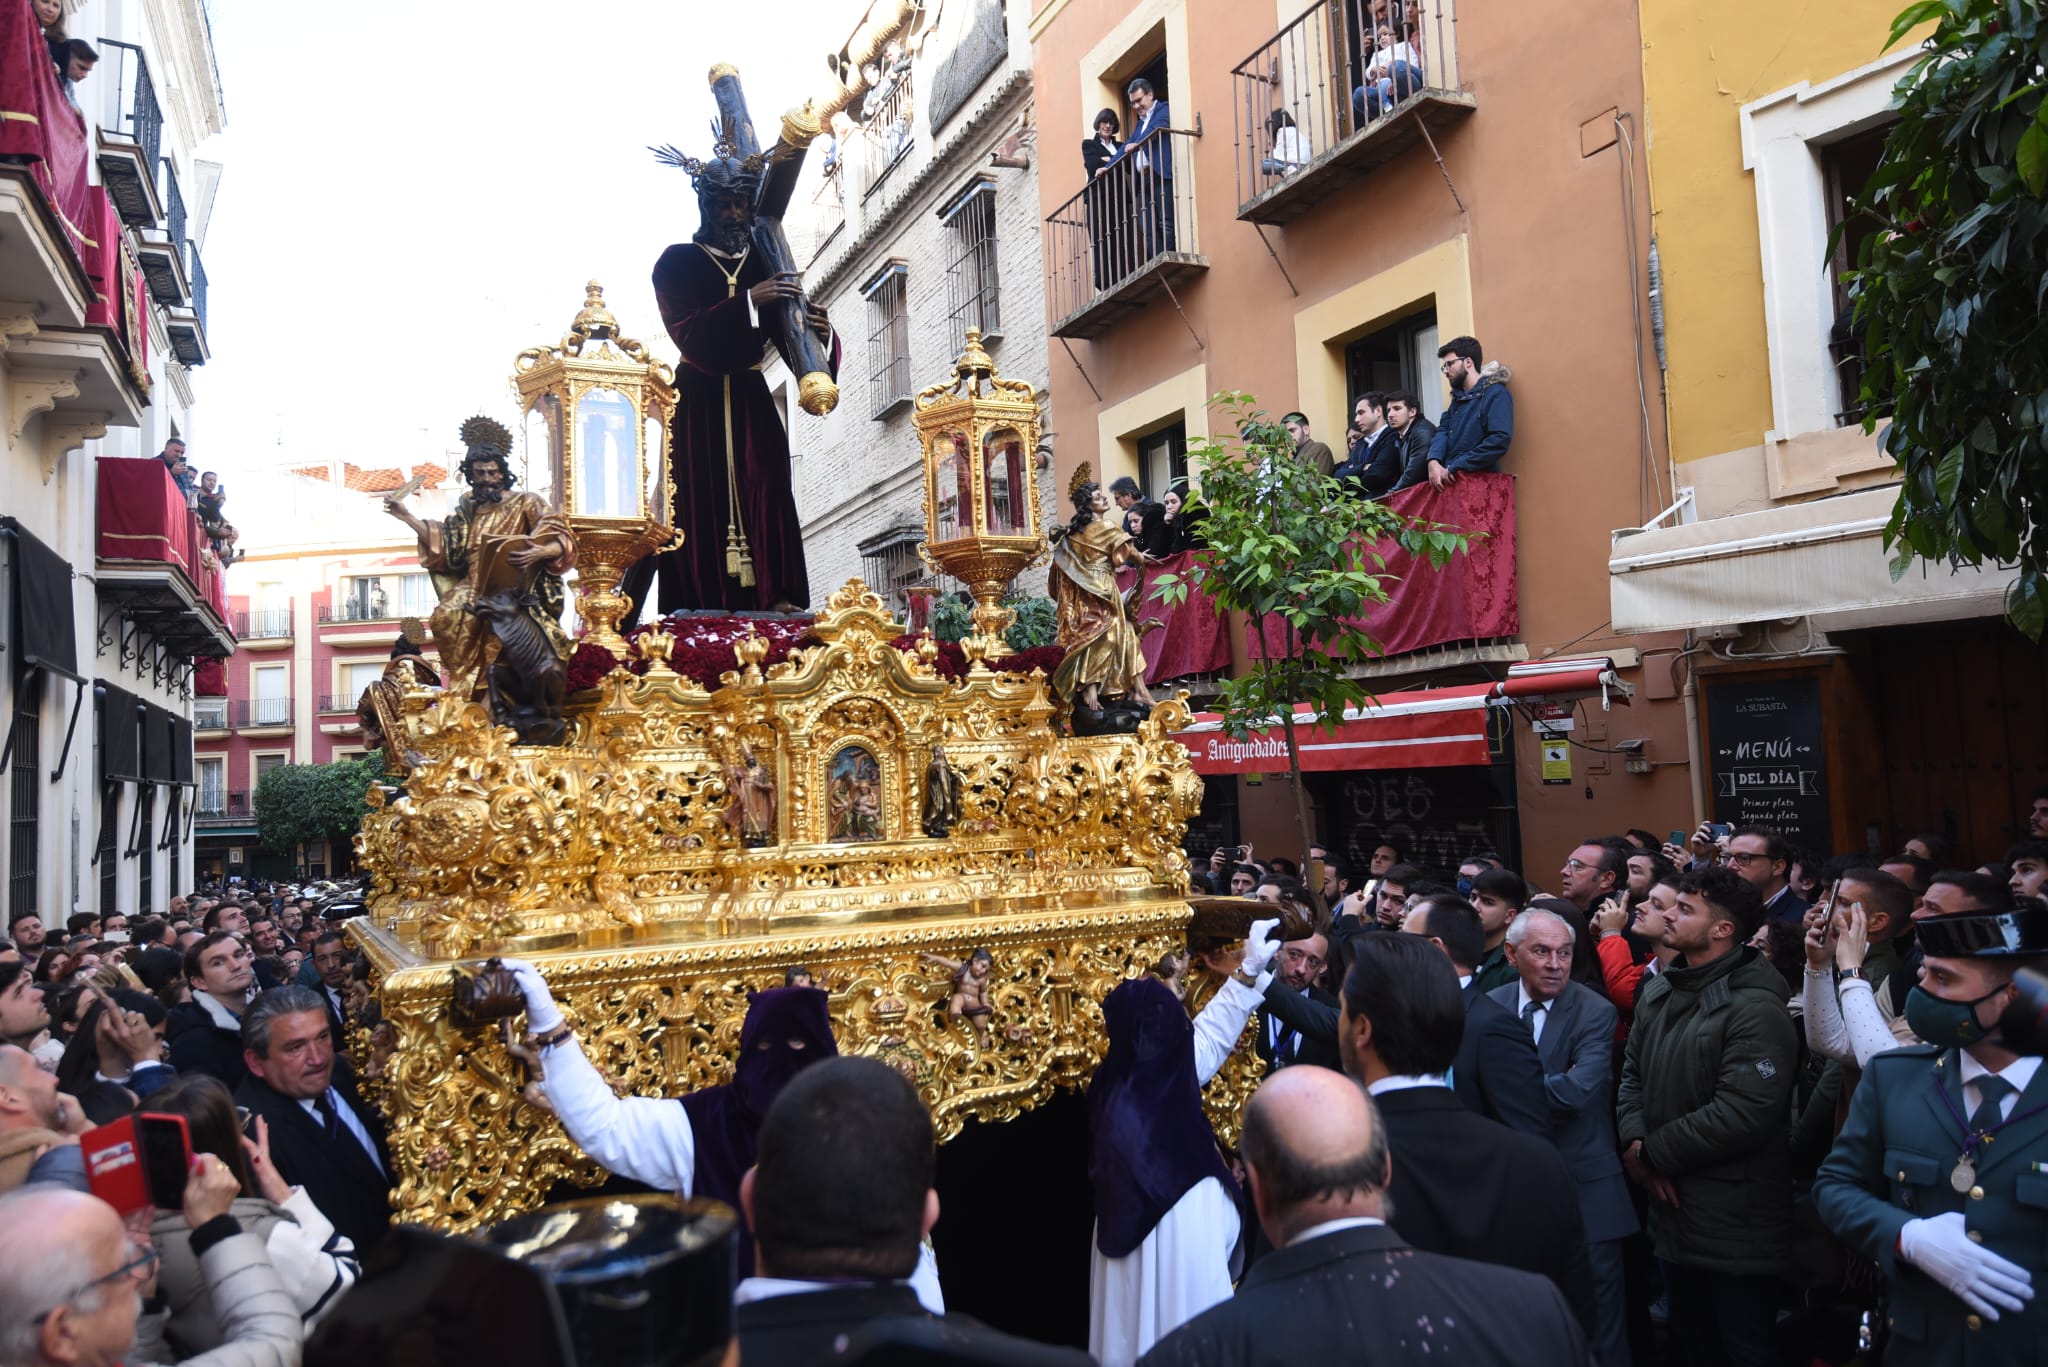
(916, 221)
(110, 601)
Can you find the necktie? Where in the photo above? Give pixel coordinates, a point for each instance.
(1530, 1012)
(327, 1116)
(1994, 1090)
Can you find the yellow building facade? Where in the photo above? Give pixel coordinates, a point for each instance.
(1763, 121)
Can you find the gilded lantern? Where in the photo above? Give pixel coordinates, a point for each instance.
(979, 435)
(598, 405)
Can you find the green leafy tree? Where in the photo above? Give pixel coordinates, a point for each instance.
(1037, 621)
(1949, 290)
(298, 804)
(1287, 543)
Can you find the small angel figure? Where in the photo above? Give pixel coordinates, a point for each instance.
(969, 998)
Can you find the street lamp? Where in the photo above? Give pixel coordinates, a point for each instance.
(599, 405)
(979, 433)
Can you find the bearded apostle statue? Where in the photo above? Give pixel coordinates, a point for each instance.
(497, 562)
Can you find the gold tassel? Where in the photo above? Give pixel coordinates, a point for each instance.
(733, 557)
(746, 571)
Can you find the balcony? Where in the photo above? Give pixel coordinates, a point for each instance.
(377, 608)
(258, 714)
(1473, 599)
(1125, 239)
(210, 714)
(339, 702)
(886, 135)
(216, 805)
(265, 624)
(129, 153)
(1337, 93)
(187, 326)
(154, 566)
(162, 251)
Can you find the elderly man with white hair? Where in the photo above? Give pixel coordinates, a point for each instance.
(74, 1282)
(1574, 1030)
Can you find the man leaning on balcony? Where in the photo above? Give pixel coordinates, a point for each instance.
(1151, 161)
(1478, 424)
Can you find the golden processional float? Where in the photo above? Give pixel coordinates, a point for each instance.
(685, 845)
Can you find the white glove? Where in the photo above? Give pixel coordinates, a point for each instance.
(1259, 947)
(542, 1015)
(1985, 1282)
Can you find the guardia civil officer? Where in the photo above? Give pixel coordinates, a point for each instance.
(1941, 1173)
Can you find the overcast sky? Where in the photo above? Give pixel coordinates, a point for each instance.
(413, 194)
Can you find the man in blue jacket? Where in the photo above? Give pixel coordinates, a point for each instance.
(1480, 421)
(1151, 162)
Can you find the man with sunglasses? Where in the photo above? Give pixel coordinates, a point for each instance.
(1764, 860)
(75, 1284)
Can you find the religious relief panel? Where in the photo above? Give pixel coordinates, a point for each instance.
(853, 791)
(1007, 482)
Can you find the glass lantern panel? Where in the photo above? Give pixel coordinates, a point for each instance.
(607, 455)
(1007, 480)
(542, 451)
(657, 441)
(955, 487)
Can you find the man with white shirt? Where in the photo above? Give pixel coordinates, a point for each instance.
(1938, 1174)
(331, 969)
(840, 1200)
(1317, 1155)
(1574, 1030)
(322, 1136)
(1463, 1185)
(1375, 462)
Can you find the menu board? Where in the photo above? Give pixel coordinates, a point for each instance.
(1769, 756)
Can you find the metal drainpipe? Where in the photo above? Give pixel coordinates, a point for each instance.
(1695, 757)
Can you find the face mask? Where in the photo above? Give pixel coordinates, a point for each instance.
(1946, 1024)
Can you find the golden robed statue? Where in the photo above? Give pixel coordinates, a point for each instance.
(1103, 657)
(497, 563)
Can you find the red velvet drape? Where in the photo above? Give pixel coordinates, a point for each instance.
(37, 122)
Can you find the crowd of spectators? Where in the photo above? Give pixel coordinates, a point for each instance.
(234, 1009)
(1684, 1025)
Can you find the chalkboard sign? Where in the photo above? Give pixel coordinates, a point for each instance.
(1769, 757)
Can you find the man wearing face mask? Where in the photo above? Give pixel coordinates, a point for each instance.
(701, 1144)
(1937, 1174)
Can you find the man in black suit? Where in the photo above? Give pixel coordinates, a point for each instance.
(1343, 1287)
(1294, 971)
(322, 1136)
(1374, 464)
(331, 965)
(1463, 1185)
(1574, 1030)
(839, 1198)
(1496, 1072)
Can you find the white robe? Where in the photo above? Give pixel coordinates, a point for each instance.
(1183, 1266)
(650, 1140)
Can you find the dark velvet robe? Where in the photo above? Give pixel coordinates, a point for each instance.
(718, 345)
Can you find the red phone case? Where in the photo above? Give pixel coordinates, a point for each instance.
(120, 1157)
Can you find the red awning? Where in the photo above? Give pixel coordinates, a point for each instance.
(1431, 728)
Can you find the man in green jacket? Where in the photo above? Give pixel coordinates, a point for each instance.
(1704, 1108)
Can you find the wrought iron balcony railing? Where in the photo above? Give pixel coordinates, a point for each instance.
(1129, 234)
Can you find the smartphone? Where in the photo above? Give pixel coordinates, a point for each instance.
(139, 1160)
(1677, 838)
(1719, 830)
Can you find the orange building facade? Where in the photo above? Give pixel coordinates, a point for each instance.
(1494, 186)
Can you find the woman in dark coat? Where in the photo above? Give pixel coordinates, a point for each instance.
(1096, 154)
